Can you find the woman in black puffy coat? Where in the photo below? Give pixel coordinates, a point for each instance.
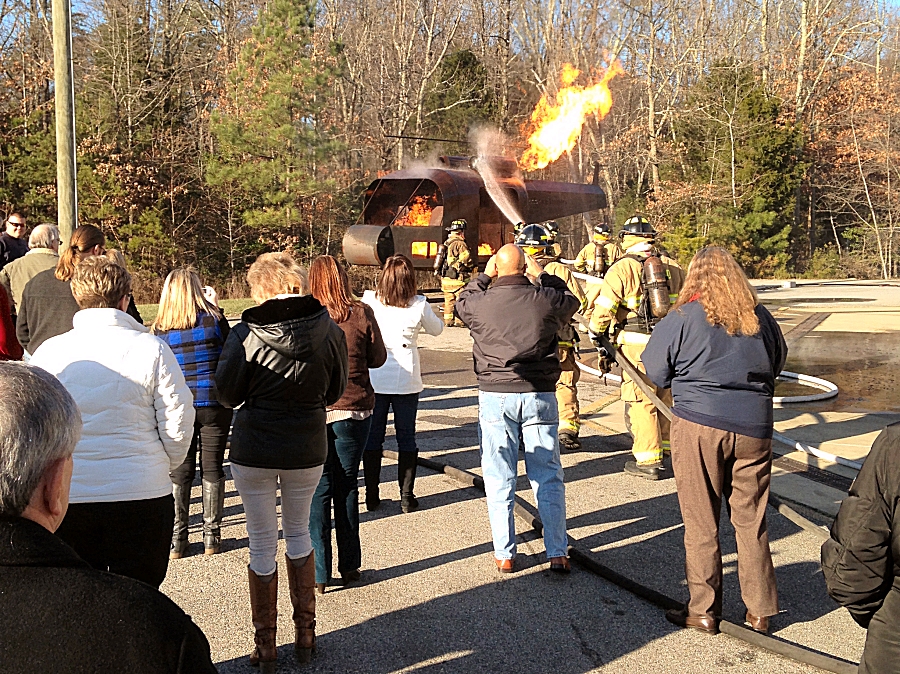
(284, 363)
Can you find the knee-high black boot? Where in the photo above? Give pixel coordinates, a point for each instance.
(372, 477)
(182, 494)
(406, 476)
(213, 506)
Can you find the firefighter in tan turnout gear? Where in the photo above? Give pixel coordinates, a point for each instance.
(595, 259)
(539, 242)
(454, 266)
(635, 294)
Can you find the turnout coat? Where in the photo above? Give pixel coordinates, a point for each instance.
(861, 560)
(59, 615)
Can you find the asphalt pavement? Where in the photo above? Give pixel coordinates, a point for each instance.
(430, 599)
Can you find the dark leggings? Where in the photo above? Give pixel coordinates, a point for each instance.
(210, 437)
(405, 407)
(130, 538)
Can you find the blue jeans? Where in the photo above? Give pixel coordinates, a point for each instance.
(502, 416)
(339, 483)
(405, 407)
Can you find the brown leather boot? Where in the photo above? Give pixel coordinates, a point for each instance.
(302, 581)
(264, 609)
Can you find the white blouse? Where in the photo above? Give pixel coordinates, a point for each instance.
(401, 372)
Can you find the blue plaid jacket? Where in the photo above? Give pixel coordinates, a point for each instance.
(197, 350)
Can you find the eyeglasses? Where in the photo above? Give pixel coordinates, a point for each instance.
(12, 223)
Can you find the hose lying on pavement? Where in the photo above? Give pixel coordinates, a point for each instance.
(587, 560)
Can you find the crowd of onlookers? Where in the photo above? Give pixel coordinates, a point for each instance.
(103, 431)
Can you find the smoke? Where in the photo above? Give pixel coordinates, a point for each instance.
(489, 141)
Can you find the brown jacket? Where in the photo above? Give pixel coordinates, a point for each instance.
(365, 349)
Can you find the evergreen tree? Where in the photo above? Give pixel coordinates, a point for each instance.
(268, 134)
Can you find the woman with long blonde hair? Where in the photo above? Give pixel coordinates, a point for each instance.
(195, 330)
(720, 352)
(348, 422)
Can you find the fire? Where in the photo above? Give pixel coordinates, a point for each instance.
(556, 125)
(485, 250)
(417, 214)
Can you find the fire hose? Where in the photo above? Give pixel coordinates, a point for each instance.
(830, 391)
(588, 561)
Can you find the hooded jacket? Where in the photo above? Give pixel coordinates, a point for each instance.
(861, 559)
(283, 364)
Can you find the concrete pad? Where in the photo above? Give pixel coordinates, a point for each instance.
(845, 434)
(797, 489)
(861, 321)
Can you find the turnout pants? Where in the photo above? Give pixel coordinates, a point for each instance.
(649, 428)
(451, 289)
(567, 391)
(710, 464)
(591, 292)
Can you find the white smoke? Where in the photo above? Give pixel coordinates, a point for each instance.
(490, 141)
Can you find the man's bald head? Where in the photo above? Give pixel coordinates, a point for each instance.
(510, 261)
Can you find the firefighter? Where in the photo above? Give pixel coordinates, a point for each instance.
(594, 259)
(455, 270)
(635, 293)
(538, 241)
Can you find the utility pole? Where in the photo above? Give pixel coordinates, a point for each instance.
(64, 94)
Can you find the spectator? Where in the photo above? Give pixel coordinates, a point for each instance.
(13, 244)
(116, 256)
(138, 416)
(56, 613)
(10, 349)
(283, 363)
(401, 315)
(720, 352)
(47, 306)
(348, 422)
(514, 324)
(859, 560)
(43, 254)
(195, 330)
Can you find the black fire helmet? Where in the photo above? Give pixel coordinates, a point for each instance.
(534, 239)
(457, 225)
(638, 225)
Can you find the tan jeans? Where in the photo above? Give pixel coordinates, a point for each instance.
(710, 464)
(567, 391)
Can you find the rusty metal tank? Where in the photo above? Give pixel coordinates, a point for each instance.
(408, 211)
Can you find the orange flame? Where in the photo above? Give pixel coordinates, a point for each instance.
(485, 250)
(418, 214)
(556, 125)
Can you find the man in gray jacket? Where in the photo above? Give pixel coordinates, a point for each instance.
(43, 254)
(513, 322)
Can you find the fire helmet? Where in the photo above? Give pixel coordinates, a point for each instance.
(553, 228)
(602, 229)
(457, 225)
(535, 240)
(638, 225)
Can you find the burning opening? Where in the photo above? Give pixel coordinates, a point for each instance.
(403, 202)
(485, 249)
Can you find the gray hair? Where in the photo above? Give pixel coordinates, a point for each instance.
(41, 424)
(43, 236)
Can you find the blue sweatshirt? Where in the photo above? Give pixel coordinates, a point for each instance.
(718, 380)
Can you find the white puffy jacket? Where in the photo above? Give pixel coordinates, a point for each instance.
(137, 410)
(401, 372)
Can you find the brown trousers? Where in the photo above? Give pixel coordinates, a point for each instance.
(708, 465)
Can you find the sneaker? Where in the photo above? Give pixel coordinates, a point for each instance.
(648, 471)
(569, 441)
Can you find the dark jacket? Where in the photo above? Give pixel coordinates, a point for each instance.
(59, 615)
(514, 325)
(285, 361)
(46, 311)
(197, 350)
(861, 560)
(365, 349)
(11, 249)
(718, 380)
